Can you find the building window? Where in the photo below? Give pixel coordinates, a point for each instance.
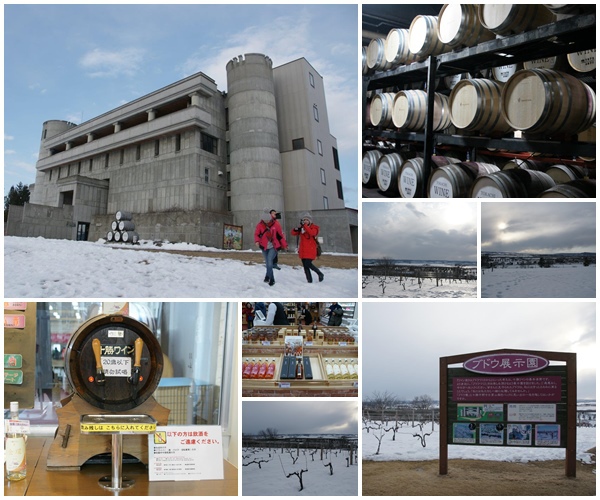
(325, 203)
(316, 112)
(206, 175)
(340, 190)
(228, 147)
(320, 147)
(106, 156)
(178, 142)
(138, 152)
(50, 176)
(121, 156)
(91, 164)
(336, 160)
(298, 143)
(311, 79)
(44, 133)
(323, 177)
(209, 143)
(226, 118)
(78, 168)
(156, 147)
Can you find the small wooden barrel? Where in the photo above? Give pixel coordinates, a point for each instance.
(475, 106)
(396, 48)
(380, 110)
(459, 26)
(130, 237)
(369, 168)
(117, 236)
(547, 101)
(528, 164)
(561, 174)
(410, 110)
(412, 179)
(507, 19)
(514, 183)
(423, 40)
(116, 341)
(388, 169)
(122, 215)
(126, 225)
(584, 61)
(455, 181)
(109, 236)
(376, 55)
(114, 225)
(573, 189)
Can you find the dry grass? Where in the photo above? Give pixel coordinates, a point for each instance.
(476, 477)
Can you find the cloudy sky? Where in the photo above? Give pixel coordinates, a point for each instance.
(300, 417)
(544, 227)
(404, 341)
(75, 62)
(444, 230)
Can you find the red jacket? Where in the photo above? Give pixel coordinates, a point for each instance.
(269, 231)
(308, 244)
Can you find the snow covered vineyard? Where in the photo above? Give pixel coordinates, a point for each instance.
(420, 271)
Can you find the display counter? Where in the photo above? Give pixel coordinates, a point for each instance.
(41, 482)
(328, 355)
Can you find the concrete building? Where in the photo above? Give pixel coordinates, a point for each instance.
(188, 160)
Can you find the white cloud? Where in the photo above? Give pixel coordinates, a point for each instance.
(9, 152)
(100, 63)
(9, 137)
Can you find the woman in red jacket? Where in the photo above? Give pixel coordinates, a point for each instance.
(269, 237)
(307, 231)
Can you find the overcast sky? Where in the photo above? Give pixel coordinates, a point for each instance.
(445, 230)
(300, 417)
(544, 227)
(402, 341)
(75, 62)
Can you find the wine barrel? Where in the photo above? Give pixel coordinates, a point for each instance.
(475, 106)
(113, 362)
(423, 40)
(413, 176)
(369, 168)
(365, 68)
(544, 101)
(528, 164)
(452, 80)
(506, 19)
(126, 225)
(554, 62)
(117, 236)
(584, 61)
(388, 168)
(561, 174)
(571, 9)
(459, 26)
(122, 215)
(396, 48)
(376, 55)
(109, 236)
(410, 110)
(130, 237)
(455, 180)
(114, 225)
(514, 183)
(380, 111)
(504, 73)
(580, 188)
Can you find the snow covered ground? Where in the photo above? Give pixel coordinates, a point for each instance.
(409, 288)
(536, 282)
(409, 448)
(38, 267)
(271, 478)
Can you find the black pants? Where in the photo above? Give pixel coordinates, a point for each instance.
(308, 267)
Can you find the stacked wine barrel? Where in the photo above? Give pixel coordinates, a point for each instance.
(122, 229)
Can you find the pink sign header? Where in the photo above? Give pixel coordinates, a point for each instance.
(505, 364)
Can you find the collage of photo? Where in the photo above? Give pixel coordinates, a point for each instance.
(246, 254)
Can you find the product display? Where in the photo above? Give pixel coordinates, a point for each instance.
(485, 84)
(15, 446)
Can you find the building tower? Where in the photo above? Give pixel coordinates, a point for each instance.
(256, 174)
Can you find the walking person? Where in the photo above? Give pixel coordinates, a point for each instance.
(269, 237)
(307, 232)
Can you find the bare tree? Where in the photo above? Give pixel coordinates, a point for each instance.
(382, 400)
(423, 402)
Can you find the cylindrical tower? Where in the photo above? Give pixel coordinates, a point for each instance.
(50, 129)
(256, 174)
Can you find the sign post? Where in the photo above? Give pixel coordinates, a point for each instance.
(509, 397)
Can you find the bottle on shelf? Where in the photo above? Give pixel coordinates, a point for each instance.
(15, 455)
(328, 368)
(245, 369)
(350, 367)
(299, 369)
(343, 369)
(337, 372)
(262, 370)
(271, 370)
(255, 369)
(355, 368)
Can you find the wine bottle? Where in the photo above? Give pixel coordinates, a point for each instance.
(350, 366)
(356, 369)
(343, 369)
(336, 370)
(328, 368)
(255, 369)
(299, 369)
(271, 370)
(262, 370)
(15, 454)
(246, 369)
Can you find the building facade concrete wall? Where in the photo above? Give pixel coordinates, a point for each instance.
(33, 220)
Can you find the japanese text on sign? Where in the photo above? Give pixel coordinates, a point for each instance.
(500, 389)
